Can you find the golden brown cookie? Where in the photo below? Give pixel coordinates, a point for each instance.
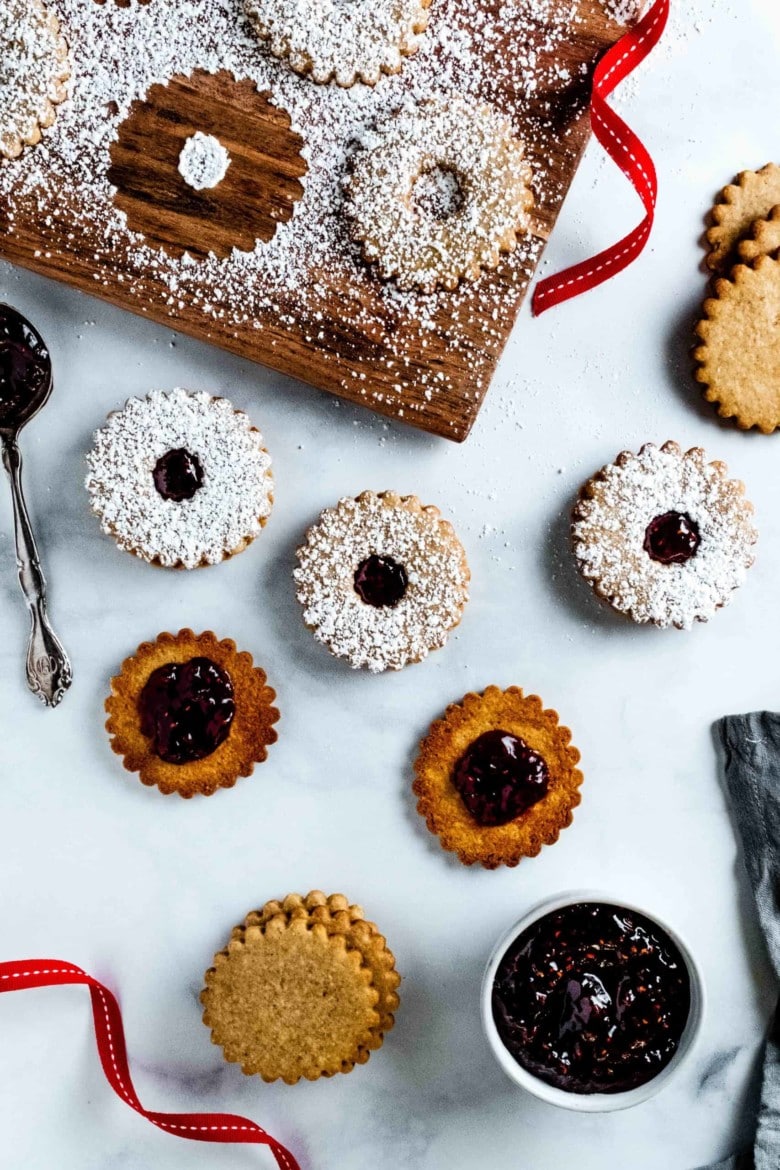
(751, 197)
(496, 778)
(338, 916)
(34, 72)
(295, 992)
(763, 239)
(738, 360)
(190, 713)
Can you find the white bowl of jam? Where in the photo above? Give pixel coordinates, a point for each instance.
(591, 1004)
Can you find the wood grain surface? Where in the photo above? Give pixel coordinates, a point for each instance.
(355, 351)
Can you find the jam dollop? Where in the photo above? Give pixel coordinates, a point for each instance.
(380, 581)
(592, 998)
(178, 475)
(499, 777)
(672, 538)
(186, 709)
(25, 368)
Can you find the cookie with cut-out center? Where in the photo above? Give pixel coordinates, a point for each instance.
(751, 197)
(290, 996)
(738, 356)
(496, 778)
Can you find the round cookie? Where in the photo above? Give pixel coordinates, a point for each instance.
(738, 358)
(664, 536)
(496, 778)
(190, 713)
(180, 479)
(304, 988)
(332, 41)
(751, 197)
(34, 71)
(382, 580)
(438, 192)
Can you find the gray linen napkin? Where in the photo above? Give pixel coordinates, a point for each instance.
(751, 744)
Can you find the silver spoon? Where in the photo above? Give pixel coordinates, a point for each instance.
(25, 385)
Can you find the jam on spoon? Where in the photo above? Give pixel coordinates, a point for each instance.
(592, 998)
(25, 386)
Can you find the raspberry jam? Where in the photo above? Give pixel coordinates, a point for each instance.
(499, 777)
(178, 475)
(25, 367)
(186, 709)
(380, 581)
(592, 998)
(672, 538)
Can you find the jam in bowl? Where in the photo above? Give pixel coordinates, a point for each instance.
(590, 1003)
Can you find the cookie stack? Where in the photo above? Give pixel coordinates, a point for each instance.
(738, 358)
(305, 987)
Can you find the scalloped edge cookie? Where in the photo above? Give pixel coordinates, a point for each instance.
(36, 111)
(750, 197)
(738, 360)
(440, 804)
(251, 731)
(763, 238)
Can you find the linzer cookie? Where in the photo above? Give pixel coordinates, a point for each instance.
(496, 778)
(738, 358)
(438, 192)
(664, 536)
(763, 238)
(382, 580)
(751, 197)
(190, 713)
(34, 71)
(180, 479)
(306, 987)
(358, 41)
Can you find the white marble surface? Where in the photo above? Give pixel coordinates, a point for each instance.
(141, 890)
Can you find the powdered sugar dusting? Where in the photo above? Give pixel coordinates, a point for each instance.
(611, 520)
(223, 515)
(343, 41)
(390, 637)
(33, 71)
(470, 48)
(203, 161)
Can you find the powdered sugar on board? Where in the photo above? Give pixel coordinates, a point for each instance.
(118, 53)
(203, 161)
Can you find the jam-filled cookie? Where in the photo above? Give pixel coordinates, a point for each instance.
(305, 987)
(34, 71)
(345, 43)
(438, 192)
(382, 580)
(190, 713)
(497, 777)
(180, 479)
(664, 536)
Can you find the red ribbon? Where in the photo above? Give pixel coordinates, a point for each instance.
(110, 1036)
(624, 148)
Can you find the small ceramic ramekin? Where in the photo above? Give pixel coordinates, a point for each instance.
(590, 1102)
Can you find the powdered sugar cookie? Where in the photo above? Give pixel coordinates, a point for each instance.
(664, 536)
(34, 70)
(329, 40)
(438, 192)
(382, 580)
(180, 479)
(752, 197)
(763, 240)
(739, 357)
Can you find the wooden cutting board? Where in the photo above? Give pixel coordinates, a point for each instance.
(428, 360)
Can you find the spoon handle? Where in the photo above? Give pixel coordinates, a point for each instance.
(49, 672)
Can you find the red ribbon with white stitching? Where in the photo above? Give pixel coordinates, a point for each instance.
(199, 1127)
(624, 148)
